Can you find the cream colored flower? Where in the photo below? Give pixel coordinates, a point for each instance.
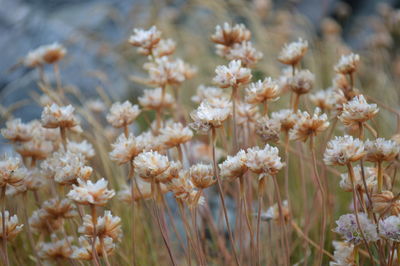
(16, 131)
(347, 64)
(149, 165)
(56, 249)
(245, 52)
(228, 35)
(88, 192)
(302, 82)
(174, 134)
(31, 182)
(58, 116)
(164, 48)
(122, 114)
(34, 58)
(12, 172)
(12, 226)
(84, 251)
(262, 91)
(146, 40)
(165, 71)
(308, 126)
(370, 180)
(172, 172)
(232, 75)
(268, 129)
(96, 105)
(381, 150)
(83, 147)
(234, 166)
(152, 99)
(385, 203)
(202, 175)
(206, 116)
(41, 222)
(37, 148)
(265, 161)
(324, 99)
(207, 93)
(343, 150)
(357, 111)
(59, 208)
(66, 167)
(343, 254)
(292, 53)
(106, 226)
(125, 149)
(286, 118)
(273, 212)
(141, 190)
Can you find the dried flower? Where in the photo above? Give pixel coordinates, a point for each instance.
(125, 149)
(172, 172)
(56, 249)
(165, 71)
(164, 48)
(228, 35)
(343, 150)
(347, 227)
(122, 114)
(53, 53)
(302, 82)
(234, 166)
(380, 150)
(307, 126)
(357, 111)
(232, 75)
(12, 226)
(286, 118)
(106, 226)
(202, 175)
(16, 131)
(31, 182)
(385, 203)
(389, 228)
(262, 91)
(152, 99)
(268, 129)
(174, 134)
(292, 53)
(42, 222)
(58, 116)
(347, 64)
(206, 116)
(245, 52)
(57, 208)
(324, 99)
(96, 105)
(34, 58)
(12, 172)
(207, 93)
(84, 251)
(149, 165)
(246, 113)
(343, 254)
(370, 180)
(273, 212)
(146, 40)
(83, 147)
(91, 193)
(265, 161)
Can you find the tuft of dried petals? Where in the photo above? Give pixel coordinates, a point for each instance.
(16, 131)
(146, 40)
(385, 203)
(56, 249)
(228, 35)
(357, 111)
(292, 53)
(207, 116)
(125, 149)
(87, 192)
(262, 91)
(347, 64)
(268, 129)
(265, 161)
(174, 134)
(343, 254)
(234, 166)
(232, 75)
(343, 150)
(152, 99)
(150, 164)
(58, 116)
(202, 175)
(12, 225)
(106, 226)
(308, 126)
(380, 150)
(122, 114)
(370, 180)
(12, 172)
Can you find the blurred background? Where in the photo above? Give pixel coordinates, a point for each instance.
(95, 33)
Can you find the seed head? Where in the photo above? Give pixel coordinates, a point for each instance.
(370, 180)
(58, 116)
(234, 166)
(125, 149)
(56, 249)
(165, 47)
(149, 165)
(265, 161)
(302, 82)
(12, 226)
(207, 116)
(152, 99)
(202, 175)
(85, 148)
(357, 111)
(53, 53)
(380, 150)
(84, 251)
(245, 52)
(174, 134)
(145, 40)
(246, 113)
(273, 212)
(324, 99)
(16, 131)
(262, 91)
(106, 226)
(385, 203)
(347, 64)
(268, 129)
(12, 172)
(343, 254)
(207, 93)
(286, 118)
(228, 35)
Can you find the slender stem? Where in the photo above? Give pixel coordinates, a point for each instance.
(351, 175)
(94, 222)
(132, 177)
(103, 250)
(126, 130)
(197, 237)
(246, 213)
(187, 232)
(265, 103)
(261, 184)
(221, 194)
(323, 202)
(296, 102)
(58, 78)
(356, 256)
(380, 176)
(63, 134)
(180, 153)
(30, 237)
(234, 103)
(282, 221)
(3, 224)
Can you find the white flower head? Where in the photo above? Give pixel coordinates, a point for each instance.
(381, 150)
(88, 192)
(357, 111)
(293, 52)
(389, 228)
(347, 64)
(122, 114)
(343, 150)
(232, 75)
(266, 161)
(347, 227)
